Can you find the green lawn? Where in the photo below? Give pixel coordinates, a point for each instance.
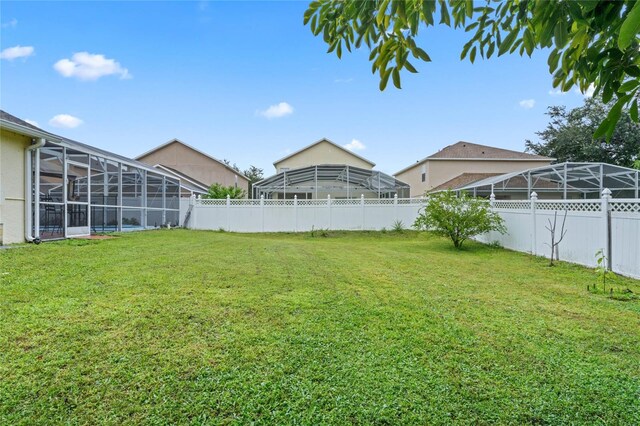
(365, 328)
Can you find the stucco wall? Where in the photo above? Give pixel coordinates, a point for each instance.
(321, 153)
(440, 171)
(194, 164)
(12, 173)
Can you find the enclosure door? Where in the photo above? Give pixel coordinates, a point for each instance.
(77, 200)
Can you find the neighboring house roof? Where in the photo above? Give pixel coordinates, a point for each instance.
(15, 124)
(193, 184)
(319, 142)
(472, 151)
(462, 180)
(178, 141)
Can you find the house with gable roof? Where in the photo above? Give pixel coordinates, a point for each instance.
(463, 163)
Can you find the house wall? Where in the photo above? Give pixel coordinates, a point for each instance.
(440, 171)
(196, 165)
(322, 153)
(12, 175)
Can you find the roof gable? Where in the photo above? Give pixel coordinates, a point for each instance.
(179, 142)
(321, 141)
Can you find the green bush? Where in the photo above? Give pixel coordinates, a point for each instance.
(458, 217)
(217, 191)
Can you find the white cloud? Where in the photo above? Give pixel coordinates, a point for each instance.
(588, 93)
(557, 92)
(66, 121)
(10, 24)
(343, 80)
(87, 66)
(355, 145)
(277, 111)
(32, 122)
(11, 53)
(527, 103)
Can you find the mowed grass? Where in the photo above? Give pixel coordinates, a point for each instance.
(194, 327)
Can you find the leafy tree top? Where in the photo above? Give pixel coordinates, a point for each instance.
(569, 136)
(592, 42)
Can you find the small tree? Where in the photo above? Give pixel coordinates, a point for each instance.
(458, 217)
(254, 174)
(218, 191)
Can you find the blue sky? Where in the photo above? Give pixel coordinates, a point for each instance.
(246, 81)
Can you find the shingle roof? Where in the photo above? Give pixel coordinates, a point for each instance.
(13, 119)
(474, 151)
(462, 180)
(5, 116)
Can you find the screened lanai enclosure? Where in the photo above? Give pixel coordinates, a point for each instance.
(560, 181)
(80, 190)
(337, 181)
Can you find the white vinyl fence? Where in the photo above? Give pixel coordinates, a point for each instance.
(301, 215)
(612, 225)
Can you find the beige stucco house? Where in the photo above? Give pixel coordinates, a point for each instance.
(13, 146)
(325, 169)
(463, 163)
(322, 152)
(193, 166)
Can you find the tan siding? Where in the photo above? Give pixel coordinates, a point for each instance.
(321, 153)
(440, 171)
(193, 164)
(12, 175)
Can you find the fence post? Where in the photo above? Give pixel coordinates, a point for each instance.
(295, 213)
(606, 240)
(362, 209)
(395, 206)
(193, 220)
(534, 199)
(329, 207)
(262, 212)
(228, 213)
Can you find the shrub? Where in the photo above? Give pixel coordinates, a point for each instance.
(217, 191)
(458, 217)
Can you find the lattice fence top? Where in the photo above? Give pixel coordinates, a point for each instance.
(571, 205)
(211, 202)
(625, 206)
(315, 202)
(512, 205)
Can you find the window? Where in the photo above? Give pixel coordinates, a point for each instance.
(423, 172)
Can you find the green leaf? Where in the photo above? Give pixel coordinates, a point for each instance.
(629, 85)
(444, 14)
(507, 42)
(633, 110)
(560, 34)
(396, 78)
(384, 79)
(421, 54)
(472, 55)
(630, 27)
(410, 67)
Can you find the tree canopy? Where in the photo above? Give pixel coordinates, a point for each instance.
(593, 42)
(569, 136)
